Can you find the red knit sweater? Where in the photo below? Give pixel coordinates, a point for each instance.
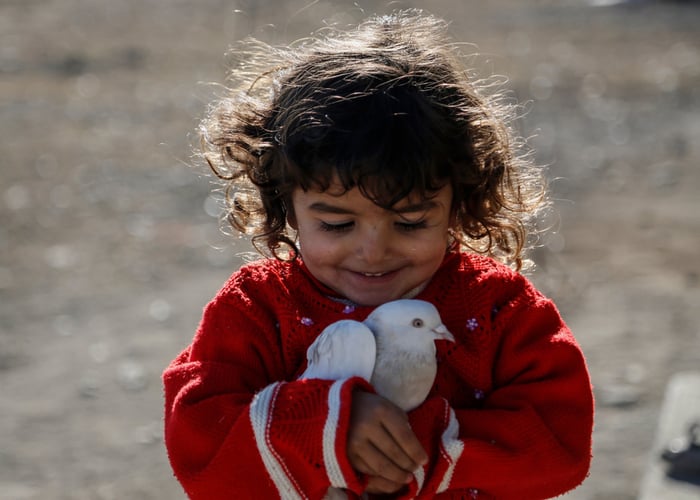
(510, 414)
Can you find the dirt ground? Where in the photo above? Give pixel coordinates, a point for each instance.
(110, 244)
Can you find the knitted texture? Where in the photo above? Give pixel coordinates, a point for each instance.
(510, 414)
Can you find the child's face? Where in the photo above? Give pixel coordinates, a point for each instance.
(366, 253)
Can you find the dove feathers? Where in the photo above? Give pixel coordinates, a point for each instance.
(344, 349)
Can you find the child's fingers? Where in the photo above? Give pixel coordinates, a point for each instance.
(402, 434)
(381, 441)
(390, 455)
(374, 462)
(379, 485)
(361, 466)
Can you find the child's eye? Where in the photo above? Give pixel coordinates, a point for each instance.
(338, 228)
(412, 226)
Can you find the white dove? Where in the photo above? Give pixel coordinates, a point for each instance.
(393, 349)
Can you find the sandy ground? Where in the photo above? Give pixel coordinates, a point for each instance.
(110, 245)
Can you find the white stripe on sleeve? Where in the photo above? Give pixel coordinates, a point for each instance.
(335, 473)
(261, 411)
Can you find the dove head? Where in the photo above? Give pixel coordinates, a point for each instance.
(410, 322)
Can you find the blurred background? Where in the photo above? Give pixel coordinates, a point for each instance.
(110, 243)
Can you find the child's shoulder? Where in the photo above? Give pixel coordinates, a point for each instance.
(488, 274)
(264, 268)
(261, 275)
(485, 267)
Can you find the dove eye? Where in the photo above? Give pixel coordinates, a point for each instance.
(417, 322)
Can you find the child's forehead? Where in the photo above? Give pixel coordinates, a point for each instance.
(415, 199)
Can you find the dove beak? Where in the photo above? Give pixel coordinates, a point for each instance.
(441, 332)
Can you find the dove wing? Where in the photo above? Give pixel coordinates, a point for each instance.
(344, 349)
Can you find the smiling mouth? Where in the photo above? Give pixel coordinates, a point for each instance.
(377, 274)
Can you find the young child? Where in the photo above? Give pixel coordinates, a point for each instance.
(370, 168)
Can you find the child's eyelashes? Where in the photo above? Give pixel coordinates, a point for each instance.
(337, 227)
(412, 226)
(341, 227)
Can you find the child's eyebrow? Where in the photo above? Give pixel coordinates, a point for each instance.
(320, 206)
(421, 206)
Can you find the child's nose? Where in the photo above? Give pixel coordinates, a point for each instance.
(374, 244)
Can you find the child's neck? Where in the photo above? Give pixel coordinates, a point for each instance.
(413, 292)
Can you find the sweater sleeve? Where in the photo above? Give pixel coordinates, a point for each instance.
(531, 435)
(234, 428)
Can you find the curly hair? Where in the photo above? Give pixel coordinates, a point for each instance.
(387, 107)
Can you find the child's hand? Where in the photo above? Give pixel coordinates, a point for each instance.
(382, 444)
